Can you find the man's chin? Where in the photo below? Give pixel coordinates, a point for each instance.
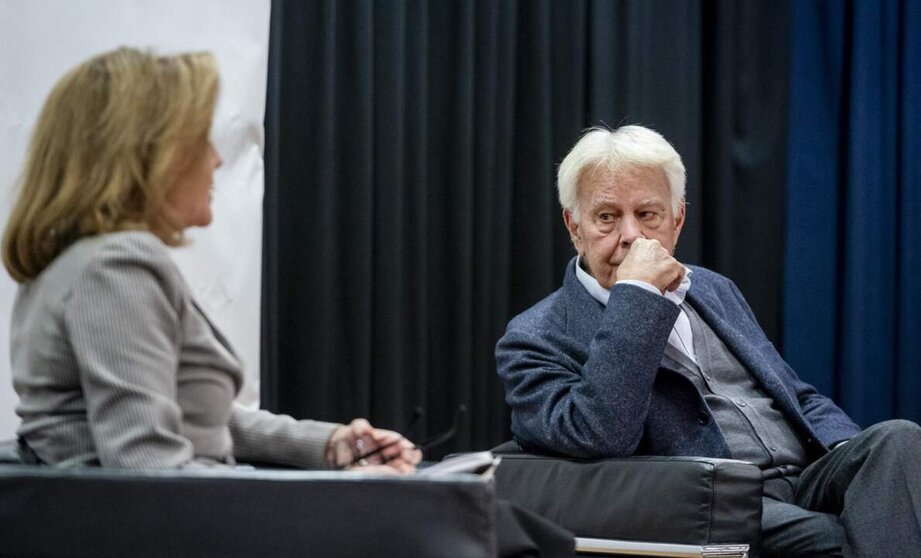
(606, 279)
(609, 281)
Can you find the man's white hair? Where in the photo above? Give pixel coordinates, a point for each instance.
(612, 150)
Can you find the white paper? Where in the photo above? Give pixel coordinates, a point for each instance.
(42, 39)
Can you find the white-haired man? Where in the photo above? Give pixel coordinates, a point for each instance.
(637, 354)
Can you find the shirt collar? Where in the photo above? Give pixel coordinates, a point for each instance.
(602, 295)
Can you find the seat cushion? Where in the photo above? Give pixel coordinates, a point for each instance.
(46, 511)
(684, 500)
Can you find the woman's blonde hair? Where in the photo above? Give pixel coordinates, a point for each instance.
(111, 140)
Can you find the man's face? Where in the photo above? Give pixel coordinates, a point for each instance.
(616, 209)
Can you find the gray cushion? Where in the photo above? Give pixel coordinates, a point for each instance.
(9, 451)
(684, 500)
(46, 511)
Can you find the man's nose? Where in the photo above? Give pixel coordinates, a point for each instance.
(630, 230)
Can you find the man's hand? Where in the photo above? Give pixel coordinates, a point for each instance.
(386, 451)
(648, 261)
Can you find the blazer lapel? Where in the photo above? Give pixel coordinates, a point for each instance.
(583, 311)
(217, 334)
(740, 342)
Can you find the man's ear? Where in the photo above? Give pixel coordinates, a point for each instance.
(679, 221)
(575, 233)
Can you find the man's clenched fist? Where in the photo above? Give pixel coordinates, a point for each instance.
(648, 261)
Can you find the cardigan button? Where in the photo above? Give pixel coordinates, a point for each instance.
(703, 417)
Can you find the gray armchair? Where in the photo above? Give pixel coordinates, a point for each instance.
(640, 506)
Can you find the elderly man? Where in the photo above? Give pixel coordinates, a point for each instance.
(637, 354)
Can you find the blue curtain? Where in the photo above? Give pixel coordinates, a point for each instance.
(852, 286)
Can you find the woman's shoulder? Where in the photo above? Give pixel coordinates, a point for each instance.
(130, 255)
(116, 248)
(139, 242)
(133, 264)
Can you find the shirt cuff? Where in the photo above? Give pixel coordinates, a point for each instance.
(641, 284)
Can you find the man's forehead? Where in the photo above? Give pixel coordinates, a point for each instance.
(644, 184)
(607, 198)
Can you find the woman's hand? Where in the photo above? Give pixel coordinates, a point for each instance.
(358, 446)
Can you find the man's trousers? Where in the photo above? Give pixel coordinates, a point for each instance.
(863, 499)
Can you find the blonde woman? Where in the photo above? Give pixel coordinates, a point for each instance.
(114, 362)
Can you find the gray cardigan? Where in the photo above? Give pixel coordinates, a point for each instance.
(591, 381)
(116, 365)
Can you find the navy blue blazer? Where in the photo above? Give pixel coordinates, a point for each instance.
(589, 381)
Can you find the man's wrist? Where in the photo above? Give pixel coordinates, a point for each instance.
(641, 284)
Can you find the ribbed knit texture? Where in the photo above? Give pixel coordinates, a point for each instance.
(115, 365)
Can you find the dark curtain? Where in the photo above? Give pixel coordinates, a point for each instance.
(410, 206)
(852, 306)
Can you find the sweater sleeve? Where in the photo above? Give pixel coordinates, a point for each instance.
(263, 437)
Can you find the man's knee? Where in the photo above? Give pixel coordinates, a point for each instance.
(893, 441)
(897, 432)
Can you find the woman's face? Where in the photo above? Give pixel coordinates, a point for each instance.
(189, 202)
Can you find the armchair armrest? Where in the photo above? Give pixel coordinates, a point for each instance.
(682, 500)
(9, 452)
(48, 511)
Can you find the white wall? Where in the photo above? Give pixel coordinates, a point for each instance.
(44, 38)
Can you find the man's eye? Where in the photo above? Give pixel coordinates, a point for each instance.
(605, 217)
(647, 215)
